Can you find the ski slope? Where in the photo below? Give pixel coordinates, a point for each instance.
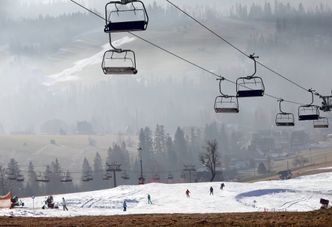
(299, 194)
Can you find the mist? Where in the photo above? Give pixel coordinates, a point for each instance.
(52, 84)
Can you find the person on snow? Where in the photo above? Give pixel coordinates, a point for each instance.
(124, 205)
(15, 202)
(149, 199)
(50, 202)
(211, 190)
(188, 193)
(64, 204)
(222, 186)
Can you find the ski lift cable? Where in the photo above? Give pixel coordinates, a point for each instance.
(181, 58)
(235, 47)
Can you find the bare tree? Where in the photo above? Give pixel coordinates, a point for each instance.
(210, 158)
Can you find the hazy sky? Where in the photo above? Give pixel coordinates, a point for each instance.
(222, 5)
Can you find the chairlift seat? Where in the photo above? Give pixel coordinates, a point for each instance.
(126, 26)
(308, 117)
(125, 177)
(226, 110)
(119, 70)
(170, 177)
(20, 178)
(321, 126)
(250, 93)
(11, 177)
(67, 180)
(42, 179)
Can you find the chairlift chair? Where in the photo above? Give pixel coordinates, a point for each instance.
(42, 178)
(117, 61)
(125, 176)
(11, 176)
(322, 122)
(309, 112)
(225, 103)
(107, 175)
(66, 178)
(250, 86)
(20, 178)
(86, 178)
(125, 16)
(156, 177)
(283, 118)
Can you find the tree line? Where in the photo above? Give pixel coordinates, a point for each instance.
(162, 156)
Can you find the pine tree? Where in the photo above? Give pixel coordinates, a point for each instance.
(172, 157)
(32, 187)
(98, 172)
(86, 185)
(13, 172)
(180, 146)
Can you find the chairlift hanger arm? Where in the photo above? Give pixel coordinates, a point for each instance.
(312, 96)
(253, 57)
(280, 101)
(220, 81)
(110, 41)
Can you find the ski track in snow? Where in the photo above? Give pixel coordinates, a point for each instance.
(70, 74)
(299, 194)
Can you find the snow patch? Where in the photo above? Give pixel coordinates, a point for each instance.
(299, 194)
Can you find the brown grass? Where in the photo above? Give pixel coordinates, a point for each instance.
(315, 218)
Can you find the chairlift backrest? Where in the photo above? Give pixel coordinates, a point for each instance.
(125, 16)
(117, 62)
(250, 86)
(20, 178)
(42, 178)
(66, 178)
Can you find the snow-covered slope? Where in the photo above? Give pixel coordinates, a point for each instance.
(300, 194)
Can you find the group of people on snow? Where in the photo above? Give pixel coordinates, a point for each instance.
(50, 204)
(211, 190)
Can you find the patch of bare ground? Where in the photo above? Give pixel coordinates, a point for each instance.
(314, 218)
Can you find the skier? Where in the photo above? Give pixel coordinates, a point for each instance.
(188, 193)
(149, 199)
(64, 204)
(124, 205)
(222, 186)
(211, 190)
